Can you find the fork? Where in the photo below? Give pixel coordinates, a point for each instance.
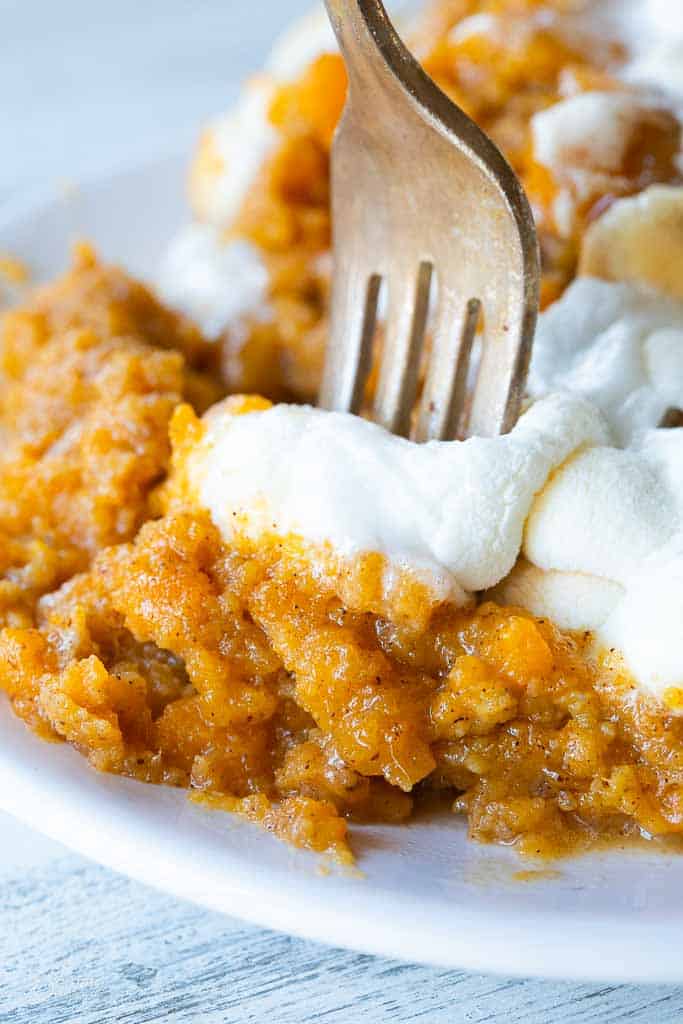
(423, 201)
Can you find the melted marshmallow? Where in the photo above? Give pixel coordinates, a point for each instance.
(453, 510)
(240, 142)
(661, 68)
(219, 282)
(589, 131)
(649, 30)
(584, 139)
(617, 345)
(603, 550)
(215, 282)
(299, 46)
(570, 599)
(654, 35)
(645, 626)
(603, 514)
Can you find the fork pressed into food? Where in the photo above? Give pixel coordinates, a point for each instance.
(424, 202)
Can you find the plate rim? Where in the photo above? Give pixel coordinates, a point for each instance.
(481, 942)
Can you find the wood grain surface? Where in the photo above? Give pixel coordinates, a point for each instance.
(80, 945)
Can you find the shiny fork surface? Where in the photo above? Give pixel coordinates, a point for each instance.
(423, 201)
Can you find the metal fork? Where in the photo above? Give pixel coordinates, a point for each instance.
(420, 197)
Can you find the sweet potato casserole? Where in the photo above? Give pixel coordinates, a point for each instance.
(306, 620)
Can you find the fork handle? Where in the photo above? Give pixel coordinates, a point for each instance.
(367, 39)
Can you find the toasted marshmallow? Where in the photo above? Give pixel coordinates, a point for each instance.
(584, 142)
(639, 239)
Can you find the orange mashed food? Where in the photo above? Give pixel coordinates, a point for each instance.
(90, 371)
(501, 76)
(260, 677)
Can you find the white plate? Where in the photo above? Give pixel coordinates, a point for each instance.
(426, 894)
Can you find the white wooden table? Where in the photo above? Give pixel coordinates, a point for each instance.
(79, 945)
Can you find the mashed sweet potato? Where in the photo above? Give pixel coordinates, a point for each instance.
(91, 371)
(270, 685)
(262, 678)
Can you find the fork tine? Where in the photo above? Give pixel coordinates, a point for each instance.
(445, 390)
(352, 331)
(405, 331)
(502, 373)
(413, 174)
